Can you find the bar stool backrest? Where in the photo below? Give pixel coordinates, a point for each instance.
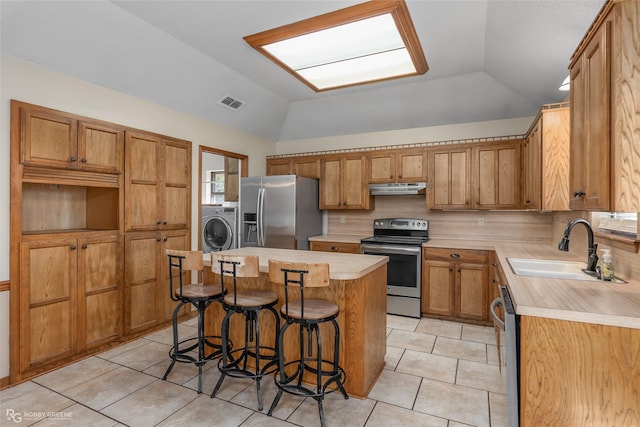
(183, 261)
(234, 266)
(298, 275)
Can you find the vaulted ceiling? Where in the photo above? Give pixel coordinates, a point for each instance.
(488, 60)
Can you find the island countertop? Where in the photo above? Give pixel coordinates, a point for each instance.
(597, 302)
(341, 266)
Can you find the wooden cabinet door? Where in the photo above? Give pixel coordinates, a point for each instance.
(100, 147)
(307, 167)
(411, 166)
(497, 176)
(438, 287)
(449, 180)
(471, 291)
(330, 183)
(47, 301)
(49, 139)
(231, 179)
(280, 166)
(100, 290)
(174, 239)
(176, 197)
(382, 167)
(142, 181)
(141, 279)
(590, 98)
(354, 184)
(531, 168)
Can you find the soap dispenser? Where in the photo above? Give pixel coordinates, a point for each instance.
(607, 265)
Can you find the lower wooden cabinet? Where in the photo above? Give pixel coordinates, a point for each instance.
(70, 296)
(147, 294)
(344, 247)
(455, 284)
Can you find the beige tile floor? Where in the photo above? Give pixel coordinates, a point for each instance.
(437, 373)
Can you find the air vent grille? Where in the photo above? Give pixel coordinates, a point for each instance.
(231, 102)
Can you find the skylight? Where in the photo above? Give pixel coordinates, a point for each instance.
(365, 43)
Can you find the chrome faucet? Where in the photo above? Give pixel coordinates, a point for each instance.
(593, 247)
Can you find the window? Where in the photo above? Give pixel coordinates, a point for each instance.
(215, 187)
(617, 223)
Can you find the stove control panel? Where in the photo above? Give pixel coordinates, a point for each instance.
(401, 224)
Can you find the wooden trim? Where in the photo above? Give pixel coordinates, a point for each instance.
(5, 285)
(4, 383)
(621, 242)
(431, 144)
(604, 11)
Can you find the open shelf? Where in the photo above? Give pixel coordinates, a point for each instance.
(55, 208)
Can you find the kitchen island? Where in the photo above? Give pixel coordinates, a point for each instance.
(357, 286)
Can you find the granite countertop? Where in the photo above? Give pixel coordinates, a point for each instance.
(342, 266)
(598, 302)
(339, 238)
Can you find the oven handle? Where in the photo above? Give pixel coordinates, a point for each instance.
(383, 250)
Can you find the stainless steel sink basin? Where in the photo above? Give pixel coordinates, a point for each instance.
(549, 268)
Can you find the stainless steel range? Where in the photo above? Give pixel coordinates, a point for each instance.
(401, 240)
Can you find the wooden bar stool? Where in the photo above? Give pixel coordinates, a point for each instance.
(308, 314)
(248, 303)
(200, 296)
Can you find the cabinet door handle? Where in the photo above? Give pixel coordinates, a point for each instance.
(84, 160)
(85, 246)
(165, 238)
(527, 201)
(73, 159)
(73, 247)
(451, 269)
(454, 255)
(158, 222)
(459, 270)
(334, 248)
(158, 239)
(164, 222)
(494, 264)
(400, 176)
(579, 194)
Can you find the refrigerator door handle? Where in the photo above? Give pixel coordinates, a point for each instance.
(260, 217)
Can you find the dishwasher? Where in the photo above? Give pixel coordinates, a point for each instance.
(511, 327)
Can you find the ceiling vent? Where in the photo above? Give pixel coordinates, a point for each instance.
(231, 102)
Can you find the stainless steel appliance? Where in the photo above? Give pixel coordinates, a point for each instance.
(511, 327)
(279, 211)
(219, 228)
(401, 240)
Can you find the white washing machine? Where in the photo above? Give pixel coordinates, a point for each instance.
(219, 228)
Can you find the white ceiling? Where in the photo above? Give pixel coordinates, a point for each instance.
(488, 60)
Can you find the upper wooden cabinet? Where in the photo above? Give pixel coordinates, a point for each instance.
(449, 180)
(307, 166)
(157, 182)
(52, 138)
(605, 113)
(231, 179)
(343, 183)
(397, 166)
(545, 161)
(496, 175)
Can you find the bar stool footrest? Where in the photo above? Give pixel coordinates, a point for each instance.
(336, 377)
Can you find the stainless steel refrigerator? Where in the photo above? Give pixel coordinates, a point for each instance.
(279, 211)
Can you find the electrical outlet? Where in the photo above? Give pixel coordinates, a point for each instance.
(480, 221)
(342, 219)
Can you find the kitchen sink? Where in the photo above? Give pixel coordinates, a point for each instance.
(549, 268)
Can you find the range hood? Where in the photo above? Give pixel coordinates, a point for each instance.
(397, 188)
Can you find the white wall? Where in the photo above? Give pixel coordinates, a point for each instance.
(30, 83)
(491, 128)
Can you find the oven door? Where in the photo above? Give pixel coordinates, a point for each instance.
(403, 269)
